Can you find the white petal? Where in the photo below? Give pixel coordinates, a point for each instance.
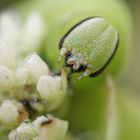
(49, 87)
(8, 113)
(36, 67)
(32, 34)
(21, 75)
(8, 55)
(7, 80)
(37, 123)
(9, 27)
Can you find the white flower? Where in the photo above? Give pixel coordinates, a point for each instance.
(8, 55)
(32, 35)
(21, 76)
(26, 130)
(49, 87)
(42, 128)
(25, 39)
(31, 69)
(52, 89)
(8, 113)
(37, 123)
(55, 129)
(9, 27)
(12, 135)
(7, 80)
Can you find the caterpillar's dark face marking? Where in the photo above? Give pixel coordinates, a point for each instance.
(89, 46)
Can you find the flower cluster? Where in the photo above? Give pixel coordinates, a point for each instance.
(40, 129)
(28, 88)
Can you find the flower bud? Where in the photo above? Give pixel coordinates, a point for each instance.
(32, 68)
(9, 25)
(21, 76)
(40, 129)
(8, 113)
(12, 113)
(54, 129)
(52, 89)
(26, 130)
(7, 80)
(37, 123)
(32, 34)
(8, 56)
(12, 135)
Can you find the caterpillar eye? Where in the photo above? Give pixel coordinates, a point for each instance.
(89, 46)
(68, 55)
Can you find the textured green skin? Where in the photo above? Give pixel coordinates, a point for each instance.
(95, 40)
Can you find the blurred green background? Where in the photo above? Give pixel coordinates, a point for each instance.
(133, 77)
